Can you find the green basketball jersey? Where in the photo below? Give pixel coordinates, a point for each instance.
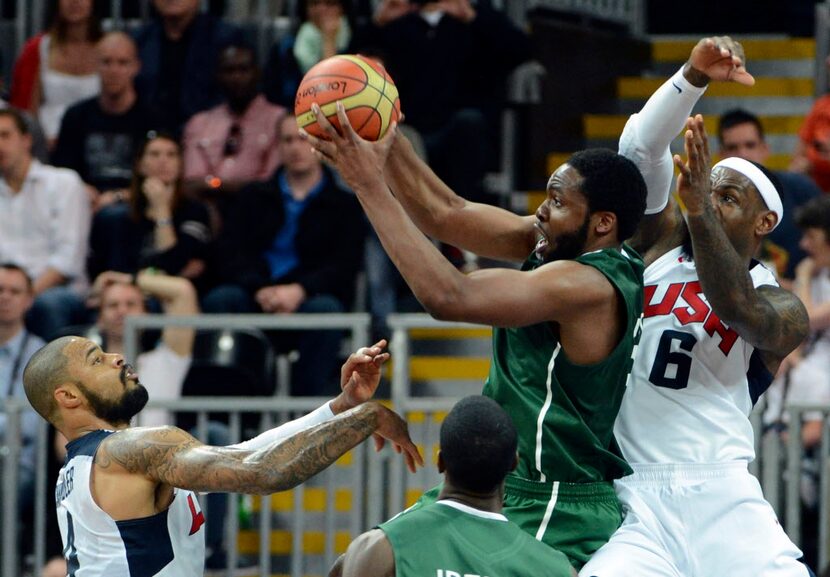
(449, 539)
(565, 412)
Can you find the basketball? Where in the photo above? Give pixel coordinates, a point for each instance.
(368, 94)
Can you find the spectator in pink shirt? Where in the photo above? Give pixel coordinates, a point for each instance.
(236, 142)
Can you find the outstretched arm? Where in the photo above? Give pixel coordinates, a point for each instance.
(360, 377)
(648, 134)
(171, 456)
(771, 319)
(440, 213)
(557, 291)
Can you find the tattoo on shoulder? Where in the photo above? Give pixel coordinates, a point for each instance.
(139, 450)
(789, 317)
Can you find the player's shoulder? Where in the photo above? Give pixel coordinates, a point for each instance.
(370, 550)
(135, 448)
(578, 275)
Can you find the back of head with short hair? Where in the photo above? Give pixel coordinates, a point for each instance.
(43, 373)
(612, 183)
(736, 117)
(478, 444)
(815, 214)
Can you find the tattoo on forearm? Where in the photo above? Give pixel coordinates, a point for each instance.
(171, 456)
(769, 318)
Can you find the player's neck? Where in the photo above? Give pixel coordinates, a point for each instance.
(491, 502)
(76, 430)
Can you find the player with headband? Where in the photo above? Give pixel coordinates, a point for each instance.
(716, 327)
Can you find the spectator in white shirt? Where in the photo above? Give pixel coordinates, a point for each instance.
(44, 228)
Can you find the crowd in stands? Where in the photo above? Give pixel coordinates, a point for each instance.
(164, 161)
(155, 169)
(165, 148)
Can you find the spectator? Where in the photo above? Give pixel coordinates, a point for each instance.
(805, 375)
(812, 153)
(16, 346)
(56, 69)
(741, 134)
(99, 136)
(178, 52)
(44, 228)
(324, 31)
(159, 227)
(236, 142)
(293, 244)
(450, 60)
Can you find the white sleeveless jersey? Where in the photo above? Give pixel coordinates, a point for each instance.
(168, 544)
(694, 380)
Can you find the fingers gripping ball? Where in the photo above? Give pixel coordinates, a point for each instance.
(368, 94)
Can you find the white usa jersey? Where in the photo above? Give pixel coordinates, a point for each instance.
(694, 380)
(167, 544)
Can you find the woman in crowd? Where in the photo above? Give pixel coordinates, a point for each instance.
(57, 68)
(157, 227)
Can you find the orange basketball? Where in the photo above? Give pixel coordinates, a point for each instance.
(368, 93)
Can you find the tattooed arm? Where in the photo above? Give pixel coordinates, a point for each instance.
(770, 318)
(171, 456)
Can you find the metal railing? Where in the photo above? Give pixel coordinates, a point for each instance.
(630, 13)
(379, 486)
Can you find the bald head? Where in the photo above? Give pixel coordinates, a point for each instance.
(118, 40)
(44, 372)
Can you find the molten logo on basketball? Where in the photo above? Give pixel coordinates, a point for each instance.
(367, 92)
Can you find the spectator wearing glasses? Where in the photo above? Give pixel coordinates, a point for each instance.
(99, 136)
(234, 143)
(159, 227)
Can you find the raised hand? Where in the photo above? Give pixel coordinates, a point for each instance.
(359, 162)
(694, 184)
(721, 58)
(360, 374)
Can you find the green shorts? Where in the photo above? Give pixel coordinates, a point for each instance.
(574, 518)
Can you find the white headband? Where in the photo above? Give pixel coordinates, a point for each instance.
(760, 180)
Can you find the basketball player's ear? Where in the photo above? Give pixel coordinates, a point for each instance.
(441, 466)
(766, 223)
(604, 222)
(67, 396)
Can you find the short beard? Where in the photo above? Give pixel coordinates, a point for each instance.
(118, 413)
(569, 245)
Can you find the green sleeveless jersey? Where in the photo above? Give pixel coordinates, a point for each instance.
(449, 539)
(564, 412)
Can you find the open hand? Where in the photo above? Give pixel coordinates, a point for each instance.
(694, 183)
(360, 374)
(721, 58)
(392, 427)
(359, 161)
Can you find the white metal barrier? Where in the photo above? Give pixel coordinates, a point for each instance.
(378, 486)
